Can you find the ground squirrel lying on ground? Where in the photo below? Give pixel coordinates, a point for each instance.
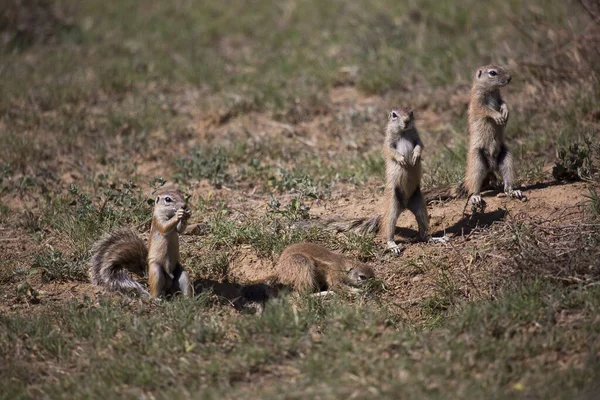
(402, 151)
(309, 267)
(488, 115)
(123, 251)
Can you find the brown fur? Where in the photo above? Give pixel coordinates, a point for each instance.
(488, 115)
(165, 272)
(402, 151)
(122, 251)
(358, 225)
(115, 256)
(309, 267)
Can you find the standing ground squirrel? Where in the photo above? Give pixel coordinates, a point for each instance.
(488, 153)
(402, 151)
(488, 115)
(123, 251)
(309, 267)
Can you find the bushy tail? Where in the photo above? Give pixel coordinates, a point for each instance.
(115, 255)
(358, 225)
(459, 190)
(446, 192)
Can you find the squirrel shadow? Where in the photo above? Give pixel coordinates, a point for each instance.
(465, 225)
(462, 227)
(484, 219)
(408, 235)
(241, 297)
(494, 190)
(544, 185)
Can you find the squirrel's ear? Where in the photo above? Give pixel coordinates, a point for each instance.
(479, 73)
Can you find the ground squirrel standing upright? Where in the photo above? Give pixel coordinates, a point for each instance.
(309, 267)
(488, 115)
(123, 251)
(402, 151)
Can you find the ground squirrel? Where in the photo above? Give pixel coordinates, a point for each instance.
(488, 115)
(402, 151)
(123, 251)
(309, 267)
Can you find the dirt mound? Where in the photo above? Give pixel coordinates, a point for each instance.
(468, 265)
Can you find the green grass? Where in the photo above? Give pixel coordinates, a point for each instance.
(263, 112)
(266, 166)
(82, 217)
(331, 349)
(54, 266)
(267, 235)
(124, 73)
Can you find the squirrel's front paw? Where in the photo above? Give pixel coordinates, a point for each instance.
(476, 200)
(416, 158)
(504, 112)
(500, 120)
(182, 213)
(401, 160)
(515, 194)
(393, 248)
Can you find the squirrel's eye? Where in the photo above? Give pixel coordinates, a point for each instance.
(168, 199)
(394, 115)
(362, 277)
(493, 73)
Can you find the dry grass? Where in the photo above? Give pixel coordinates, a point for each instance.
(272, 113)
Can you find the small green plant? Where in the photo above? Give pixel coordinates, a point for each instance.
(84, 219)
(295, 210)
(364, 245)
(3, 212)
(9, 270)
(26, 292)
(157, 182)
(212, 164)
(30, 221)
(6, 173)
(594, 201)
(295, 179)
(55, 266)
(577, 161)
